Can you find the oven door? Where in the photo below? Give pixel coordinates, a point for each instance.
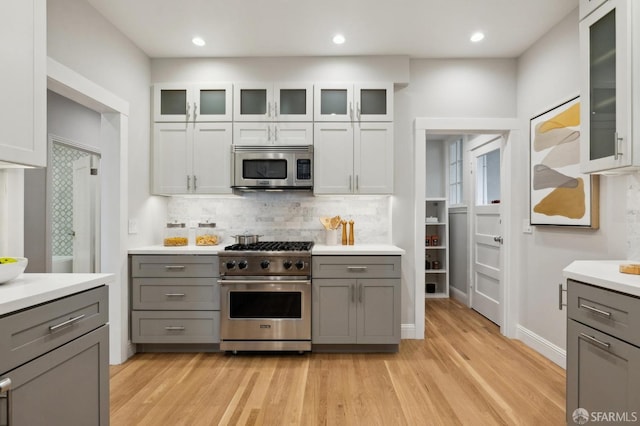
(264, 310)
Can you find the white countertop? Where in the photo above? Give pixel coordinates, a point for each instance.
(31, 289)
(318, 249)
(605, 274)
(357, 249)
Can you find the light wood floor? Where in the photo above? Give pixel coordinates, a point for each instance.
(463, 373)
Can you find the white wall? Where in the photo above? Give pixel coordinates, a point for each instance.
(548, 73)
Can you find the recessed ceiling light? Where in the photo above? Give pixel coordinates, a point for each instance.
(198, 41)
(338, 39)
(476, 37)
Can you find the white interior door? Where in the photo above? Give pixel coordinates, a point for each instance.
(85, 211)
(487, 256)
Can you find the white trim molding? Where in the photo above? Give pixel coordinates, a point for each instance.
(541, 345)
(459, 295)
(408, 331)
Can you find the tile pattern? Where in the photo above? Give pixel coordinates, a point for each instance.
(287, 216)
(62, 199)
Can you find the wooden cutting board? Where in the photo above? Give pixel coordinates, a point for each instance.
(630, 268)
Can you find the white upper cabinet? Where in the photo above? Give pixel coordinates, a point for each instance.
(23, 83)
(273, 102)
(353, 102)
(588, 6)
(609, 68)
(197, 102)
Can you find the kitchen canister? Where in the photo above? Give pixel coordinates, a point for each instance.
(207, 234)
(176, 234)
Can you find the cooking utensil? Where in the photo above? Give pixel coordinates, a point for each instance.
(326, 222)
(335, 222)
(247, 238)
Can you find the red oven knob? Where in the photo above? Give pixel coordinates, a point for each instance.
(231, 264)
(264, 264)
(299, 264)
(243, 264)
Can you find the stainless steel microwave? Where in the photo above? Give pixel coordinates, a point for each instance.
(271, 167)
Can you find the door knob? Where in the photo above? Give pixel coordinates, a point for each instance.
(498, 239)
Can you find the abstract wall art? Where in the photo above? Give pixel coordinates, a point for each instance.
(560, 194)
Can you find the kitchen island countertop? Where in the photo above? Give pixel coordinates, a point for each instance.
(32, 289)
(605, 274)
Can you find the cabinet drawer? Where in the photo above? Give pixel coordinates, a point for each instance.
(32, 332)
(174, 266)
(356, 267)
(180, 294)
(175, 327)
(613, 313)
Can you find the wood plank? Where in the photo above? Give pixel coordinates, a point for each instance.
(464, 372)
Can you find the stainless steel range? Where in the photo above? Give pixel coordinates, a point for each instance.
(266, 296)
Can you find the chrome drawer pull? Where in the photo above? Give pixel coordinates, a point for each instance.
(357, 268)
(174, 328)
(174, 294)
(174, 267)
(67, 322)
(5, 386)
(596, 310)
(594, 340)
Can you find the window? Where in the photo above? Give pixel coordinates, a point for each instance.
(455, 172)
(488, 178)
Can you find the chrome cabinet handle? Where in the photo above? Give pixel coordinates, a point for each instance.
(195, 182)
(357, 268)
(357, 183)
(596, 310)
(174, 328)
(268, 109)
(350, 111)
(188, 108)
(5, 385)
(358, 115)
(195, 110)
(596, 341)
(174, 267)
(188, 182)
(616, 147)
(353, 293)
(65, 323)
(560, 291)
(174, 294)
(275, 130)
(275, 109)
(350, 183)
(360, 293)
(269, 134)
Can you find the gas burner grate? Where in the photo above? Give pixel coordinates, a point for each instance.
(272, 246)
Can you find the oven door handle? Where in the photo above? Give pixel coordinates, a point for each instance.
(231, 283)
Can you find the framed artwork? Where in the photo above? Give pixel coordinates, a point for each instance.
(559, 194)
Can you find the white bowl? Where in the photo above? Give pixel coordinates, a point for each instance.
(9, 271)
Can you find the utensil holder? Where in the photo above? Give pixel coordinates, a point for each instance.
(331, 237)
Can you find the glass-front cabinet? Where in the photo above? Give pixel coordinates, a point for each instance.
(606, 104)
(353, 102)
(273, 102)
(205, 102)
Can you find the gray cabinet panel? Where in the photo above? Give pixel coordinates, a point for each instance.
(379, 311)
(27, 334)
(603, 373)
(356, 267)
(67, 386)
(613, 313)
(176, 293)
(333, 311)
(175, 326)
(169, 266)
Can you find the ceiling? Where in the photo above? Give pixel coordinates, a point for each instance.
(417, 28)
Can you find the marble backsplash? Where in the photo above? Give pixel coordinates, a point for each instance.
(287, 216)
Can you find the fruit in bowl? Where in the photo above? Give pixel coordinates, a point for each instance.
(11, 267)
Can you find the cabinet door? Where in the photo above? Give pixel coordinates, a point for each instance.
(603, 373)
(373, 102)
(212, 102)
(172, 102)
(293, 133)
(606, 104)
(23, 113)
(333, 311)
(171, 151)
(333, 158)
(253, 102)
(293, 102)
(249, 133)
(373, 158)
(378, 311)
(212, 158)
(67, 386)
(588, 6)
(333, 102)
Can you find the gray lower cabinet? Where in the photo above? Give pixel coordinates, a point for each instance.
(603, 352)
(67, 384)
(175, 299)
(356, 300)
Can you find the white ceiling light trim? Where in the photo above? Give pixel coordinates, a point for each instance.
(477, 36)
(198, 41)
(339, 39)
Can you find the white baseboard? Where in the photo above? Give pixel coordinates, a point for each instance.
(408, 331)
(459, 295)
(543, 346)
